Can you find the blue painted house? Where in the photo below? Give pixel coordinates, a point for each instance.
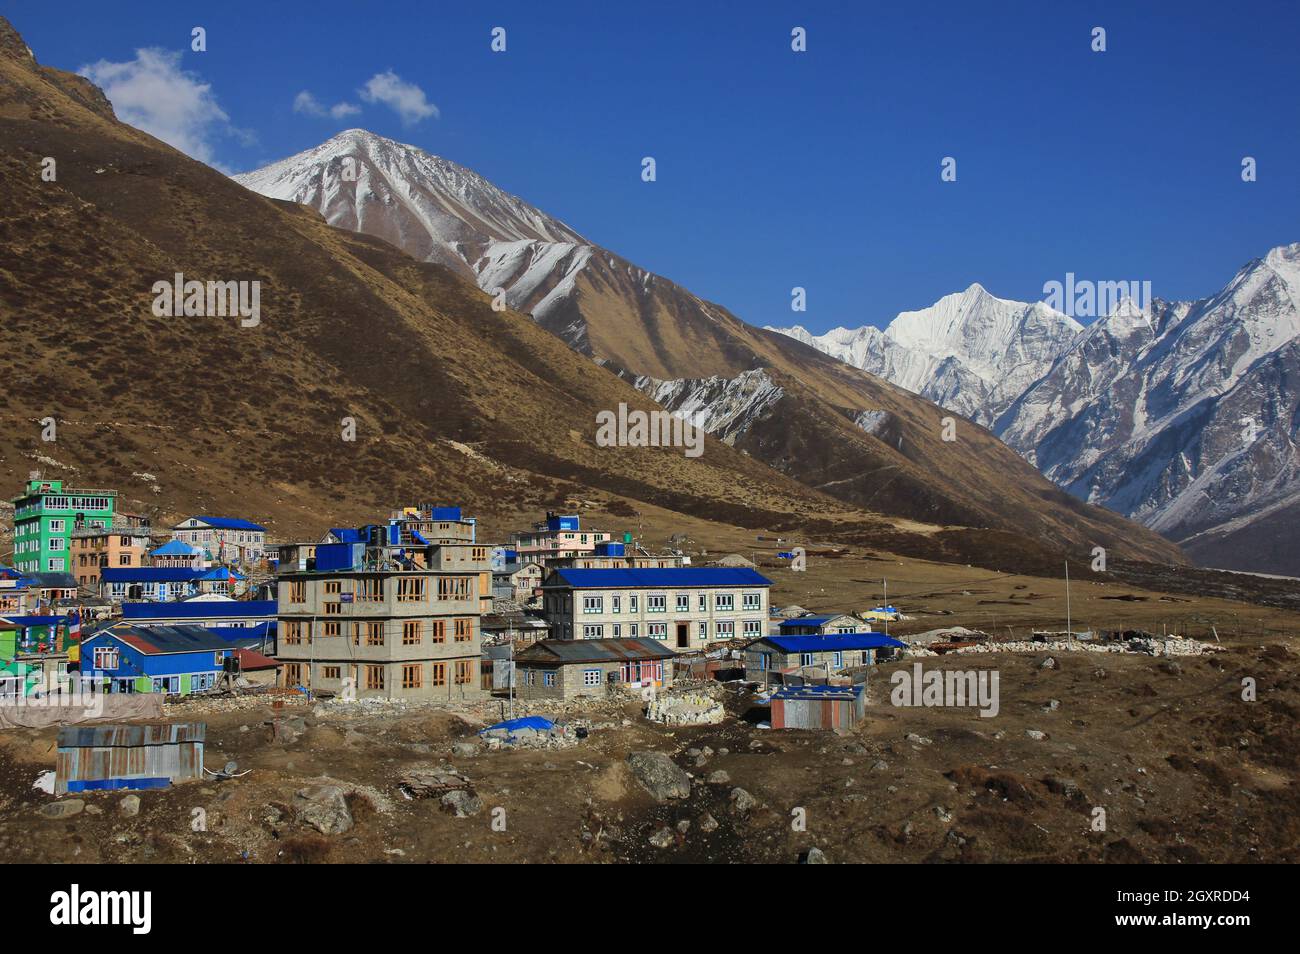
(178, 660)
(833, 652)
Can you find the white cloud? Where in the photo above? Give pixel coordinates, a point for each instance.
(154, 94)
(405, 99)
(306, 103)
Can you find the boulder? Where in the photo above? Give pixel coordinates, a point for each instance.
(659, 775)
(462, 803)
(129, 806)
(64, 808)
(324, 808)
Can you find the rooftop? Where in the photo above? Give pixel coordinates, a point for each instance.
(665, 577)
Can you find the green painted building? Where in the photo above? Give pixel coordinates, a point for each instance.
(46, 515)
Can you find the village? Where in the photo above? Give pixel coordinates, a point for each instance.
(153, 663)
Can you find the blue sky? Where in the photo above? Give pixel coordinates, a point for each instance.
(775, 169)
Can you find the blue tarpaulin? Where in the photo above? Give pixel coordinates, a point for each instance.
(526, 722)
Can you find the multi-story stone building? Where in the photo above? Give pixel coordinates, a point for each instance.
(45, 516)
(224, 539)
(123, 544)
(384, 612)
(690, 608)
(558, 537)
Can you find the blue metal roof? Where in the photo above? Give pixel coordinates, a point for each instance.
(348, 534)
(195, 609)
(150, 574)
(175, 548)
(665, 577)
(833, 643)
(229, 523)
(804, 621)
(817, 692)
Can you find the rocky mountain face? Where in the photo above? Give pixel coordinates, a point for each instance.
(1181, 415)
(767, 396)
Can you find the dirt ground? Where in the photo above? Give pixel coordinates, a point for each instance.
(1182, 766)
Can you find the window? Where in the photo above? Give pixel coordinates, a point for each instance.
(548, 678)
(298, 591)
(753, 628)
(333, 587)
(332, 628)
(293, 632)
(616, 604)
(438, 631)
(58, 526)
(591, 677)
(656, 603)
(374, 677)
(331, 672)
(58, 544)
(704, 629)
(454, 587)
(724, 629)
(218, 658)
(293, 674)
(837, 660)
(724, 602)
(412, 633)
(54, 566)
(704, 602)
(375, 635)
(464, 671)
(438, 674)
(683, 602)
(370, 589)
(631, 603)
(805, 659)
(124, 559)
(633, 629)
(412, 676)
(753, 602)
(106, 658)
(593, 604)
(657, 630)
(593, 631)
(618, 630)
(464, 630)
(411, 589)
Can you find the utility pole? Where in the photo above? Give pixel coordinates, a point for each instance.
(1069, 631)
(885, 607)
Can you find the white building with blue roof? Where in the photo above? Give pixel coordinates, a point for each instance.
(687, 608)
(224, 539)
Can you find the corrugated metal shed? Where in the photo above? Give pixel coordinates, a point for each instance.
(818, 707)
(127, 756)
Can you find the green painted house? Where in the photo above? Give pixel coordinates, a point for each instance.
(44, 518)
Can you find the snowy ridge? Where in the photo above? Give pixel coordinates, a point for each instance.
(1182, 415)
(970, 351)
(435, 210)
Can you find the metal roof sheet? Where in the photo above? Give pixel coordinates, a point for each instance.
(594, 650)
(656, 577)
(831, 643)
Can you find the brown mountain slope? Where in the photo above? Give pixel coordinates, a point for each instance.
(451, 400)
(645, 326)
